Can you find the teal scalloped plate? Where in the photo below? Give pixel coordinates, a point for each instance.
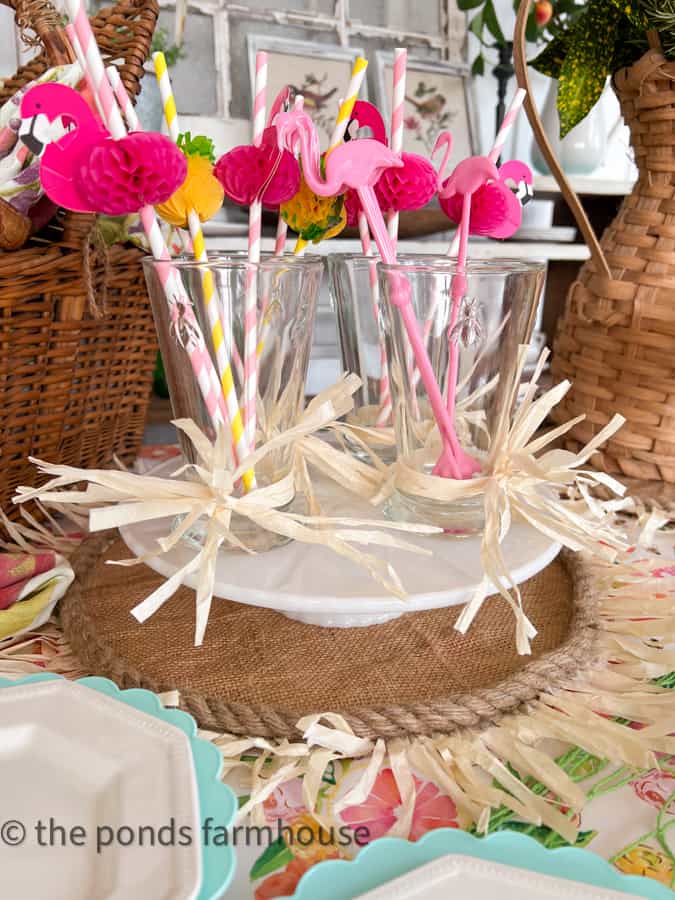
(389, 858)
(215, 798)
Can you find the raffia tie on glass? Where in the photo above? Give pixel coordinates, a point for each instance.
(521, 481)
(115, 498)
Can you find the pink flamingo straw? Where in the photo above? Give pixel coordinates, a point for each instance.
(343, 118)
(467, 178)
(494, 154)
(498, 146)
(200, 360)
(358, 165)
(254, 246)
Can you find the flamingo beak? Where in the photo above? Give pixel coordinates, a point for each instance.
(28, 136)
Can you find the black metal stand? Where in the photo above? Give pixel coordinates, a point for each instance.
(503, 72)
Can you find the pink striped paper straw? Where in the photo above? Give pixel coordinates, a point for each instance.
(200, 360)
(123, 99)
(507, 124)
(397, 116)
(75, 44)
(254, 246)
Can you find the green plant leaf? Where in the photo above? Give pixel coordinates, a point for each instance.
(588, 62)
(275, 857)
(492, 22)
(465, 5)
(478, 66)
(476, 25)
(550, 60)
(632, 11)
(531, 28)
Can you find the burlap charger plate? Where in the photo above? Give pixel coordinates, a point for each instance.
(258, 672)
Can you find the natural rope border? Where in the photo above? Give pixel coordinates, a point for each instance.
(477, 710)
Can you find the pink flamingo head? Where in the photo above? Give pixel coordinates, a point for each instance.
(368, 116)
(519, 175)
(469, 175)
(54, 101)
(516, 171)
(356, 164)
(281, 102)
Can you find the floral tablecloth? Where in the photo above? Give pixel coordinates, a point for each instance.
(627, 821)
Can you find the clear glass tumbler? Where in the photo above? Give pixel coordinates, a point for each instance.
(478, 335)
(355, 293)
(286, 291)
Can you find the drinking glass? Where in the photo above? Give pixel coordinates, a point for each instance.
(355, 293)
(494, 317)
(286, 290)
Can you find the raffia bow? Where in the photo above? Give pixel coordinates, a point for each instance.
(521, 481)
(118, 498)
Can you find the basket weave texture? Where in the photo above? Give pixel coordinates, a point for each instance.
(616, 338)
(77, 340)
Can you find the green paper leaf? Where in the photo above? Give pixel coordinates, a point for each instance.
(588, 62)
(465, 5)
(492, 22)
(197, 146)
(275, 857)
(478, 67)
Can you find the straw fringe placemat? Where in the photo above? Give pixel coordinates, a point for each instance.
(259, 672)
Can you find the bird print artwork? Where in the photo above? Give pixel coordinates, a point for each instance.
(428, 113)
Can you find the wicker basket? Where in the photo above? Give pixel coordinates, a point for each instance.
(77, 340)
(616, 338)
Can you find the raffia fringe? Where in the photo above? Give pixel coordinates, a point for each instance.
(475, 768)
(636, 628)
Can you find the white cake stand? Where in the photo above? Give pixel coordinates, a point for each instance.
(316, 586)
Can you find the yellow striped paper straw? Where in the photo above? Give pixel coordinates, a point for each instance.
(347, 105)
(208, 286)
(344, 115)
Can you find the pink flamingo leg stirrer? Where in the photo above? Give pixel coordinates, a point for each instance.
(358, 165)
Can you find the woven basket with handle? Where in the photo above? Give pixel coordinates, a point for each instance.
(616, 338)
(77, 340)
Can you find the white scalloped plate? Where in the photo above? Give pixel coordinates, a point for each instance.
(316, 586)
(467, 878)
(88, 762)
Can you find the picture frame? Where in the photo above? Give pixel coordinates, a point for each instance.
(438, 98)
(320, 72)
